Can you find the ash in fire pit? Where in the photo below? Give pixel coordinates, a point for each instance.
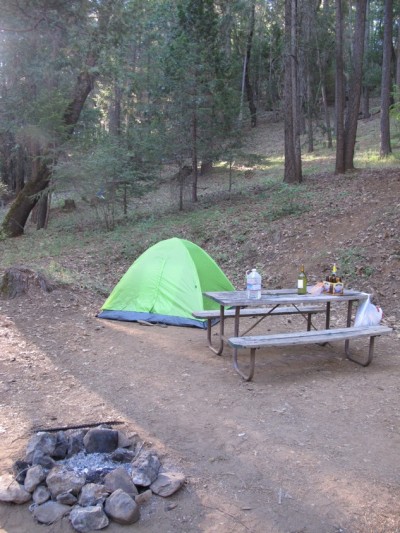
(92, 475)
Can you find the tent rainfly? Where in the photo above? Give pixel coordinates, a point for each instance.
(166, 284)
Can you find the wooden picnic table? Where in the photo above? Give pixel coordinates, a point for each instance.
(272, 300)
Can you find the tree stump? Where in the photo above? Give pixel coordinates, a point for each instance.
(205, 167)
(21, 280)
(69, 204)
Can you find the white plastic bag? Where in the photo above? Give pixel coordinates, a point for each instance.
(368, 314)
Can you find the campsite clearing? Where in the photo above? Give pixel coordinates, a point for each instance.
(311, 446)
(295, 451)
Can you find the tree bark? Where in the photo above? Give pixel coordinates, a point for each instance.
(249, 88)
(114, 111)
(18, 281)
(43, 208)
(385, 148)
(194, 157)
(324, 98)
(308, 17)
(398, 60)
(339, 90)
(365, 112)
(355, 85)
(292, 172)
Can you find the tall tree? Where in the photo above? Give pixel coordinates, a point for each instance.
(366, 88)
(293, 170)
(323, 29)
(94, 25)
(398, 58)
(248, 85)
(355, 84)
(339, 90)
(346, 143)
(386, 85)
(197, 92)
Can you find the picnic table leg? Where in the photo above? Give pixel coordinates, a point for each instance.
(220, 348)
(237, 322)
(328, 315)
(370, 353)
(236, 326)
(348, 324)
(249, 376)
(307, 316)
(347, 342)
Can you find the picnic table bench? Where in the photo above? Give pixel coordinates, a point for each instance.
(237, 304)
(305, 337)
(212, 316)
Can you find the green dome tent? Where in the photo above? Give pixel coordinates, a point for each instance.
(165, 285)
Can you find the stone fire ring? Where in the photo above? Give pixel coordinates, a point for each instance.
(92, 475)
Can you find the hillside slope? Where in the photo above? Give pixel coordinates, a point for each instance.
(296, 450)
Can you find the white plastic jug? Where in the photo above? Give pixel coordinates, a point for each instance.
(253, 284)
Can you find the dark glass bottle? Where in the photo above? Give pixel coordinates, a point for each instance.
(333, 277)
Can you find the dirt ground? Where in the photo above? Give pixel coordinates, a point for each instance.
(311, 445)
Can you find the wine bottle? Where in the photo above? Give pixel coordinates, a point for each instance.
(334, 274)
(338, 285)
(302, 282)
(333, 277)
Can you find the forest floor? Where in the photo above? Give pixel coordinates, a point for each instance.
(310, 446)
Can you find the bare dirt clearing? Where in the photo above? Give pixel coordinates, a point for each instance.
(311, 446)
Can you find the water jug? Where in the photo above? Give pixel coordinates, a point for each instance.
(253, 284)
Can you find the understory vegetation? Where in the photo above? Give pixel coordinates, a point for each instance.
(248, 219)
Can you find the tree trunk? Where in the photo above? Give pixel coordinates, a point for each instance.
(398, 60)
(43, 208)
(307, 21)
(194, 157)
(355, 85)
(114, 111)
(249, 88)
(385, 148)
(206, 167)
(324, 99)
(14, 164)
(292, 173)
(339, 90)
(327, 116)
(15, 220)
(365, 112)
(17, 216)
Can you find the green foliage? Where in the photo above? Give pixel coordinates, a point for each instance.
(353, 264)
(198, 91)
(284, 200)
(46, 112)
(106, 175)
